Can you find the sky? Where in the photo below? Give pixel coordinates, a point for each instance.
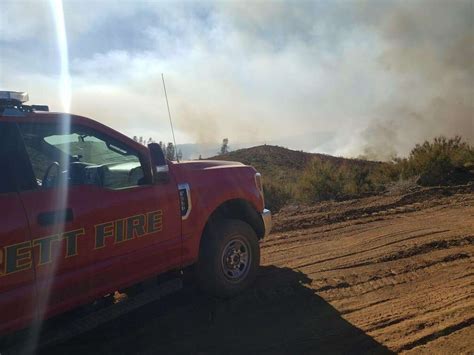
(346, 78)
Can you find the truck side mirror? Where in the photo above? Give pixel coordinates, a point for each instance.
(158, 163)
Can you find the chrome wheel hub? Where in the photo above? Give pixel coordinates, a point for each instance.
(236, 259)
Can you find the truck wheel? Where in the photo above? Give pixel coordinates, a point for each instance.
(229, 257)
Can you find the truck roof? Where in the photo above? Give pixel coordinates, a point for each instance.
(12, 108)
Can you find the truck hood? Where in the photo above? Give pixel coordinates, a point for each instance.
(212, 182)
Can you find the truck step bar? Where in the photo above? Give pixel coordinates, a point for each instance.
(93, 320)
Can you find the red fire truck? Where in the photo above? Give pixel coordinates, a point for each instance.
(86, 211)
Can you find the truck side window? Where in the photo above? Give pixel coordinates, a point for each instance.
(15, 171)
(80, 156)
(6, 179)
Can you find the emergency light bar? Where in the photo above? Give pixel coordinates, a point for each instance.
(14, 96)
(12, 103)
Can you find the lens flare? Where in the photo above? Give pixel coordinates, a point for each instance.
(65, 78)
(60, 192)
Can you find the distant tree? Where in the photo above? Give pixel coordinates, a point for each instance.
(135, 138)
(224, 146)
(170, 151)
(200, 157)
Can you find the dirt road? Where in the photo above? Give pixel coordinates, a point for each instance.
(375, 275)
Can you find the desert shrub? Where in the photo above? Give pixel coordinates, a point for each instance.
(321, 180)
(356, 180)
(276, 195)
(434, 161)
(384, 174)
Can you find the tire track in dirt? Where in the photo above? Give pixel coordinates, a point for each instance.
(382, 315)
(437, 334)
(415, 251)
(411, 203)
(314, 236)
(460, 340)
(300, 266)
(412, 311)
(421, 330)
(383, 279)
(357, 290)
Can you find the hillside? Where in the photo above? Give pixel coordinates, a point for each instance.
(285, 165)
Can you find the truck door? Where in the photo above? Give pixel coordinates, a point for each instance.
(108, 225)
(17, 288)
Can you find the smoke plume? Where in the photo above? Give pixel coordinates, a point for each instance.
(342, 77)
(429, 51)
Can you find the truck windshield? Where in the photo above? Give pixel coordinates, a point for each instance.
(89, 148)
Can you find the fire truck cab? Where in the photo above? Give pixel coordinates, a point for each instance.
(85, 211)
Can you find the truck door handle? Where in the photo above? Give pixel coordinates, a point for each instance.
(55, 217)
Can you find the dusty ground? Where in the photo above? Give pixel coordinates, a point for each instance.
(375, 275)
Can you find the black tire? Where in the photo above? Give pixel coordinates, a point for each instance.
(222, 254)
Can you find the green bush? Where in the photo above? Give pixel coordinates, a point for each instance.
(321, 180)
(435, 161)
(385, 173)
(356, 180)
(276, 195)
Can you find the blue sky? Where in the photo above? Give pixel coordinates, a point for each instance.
(340, 77)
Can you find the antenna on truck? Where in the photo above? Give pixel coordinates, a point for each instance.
(169, 115)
